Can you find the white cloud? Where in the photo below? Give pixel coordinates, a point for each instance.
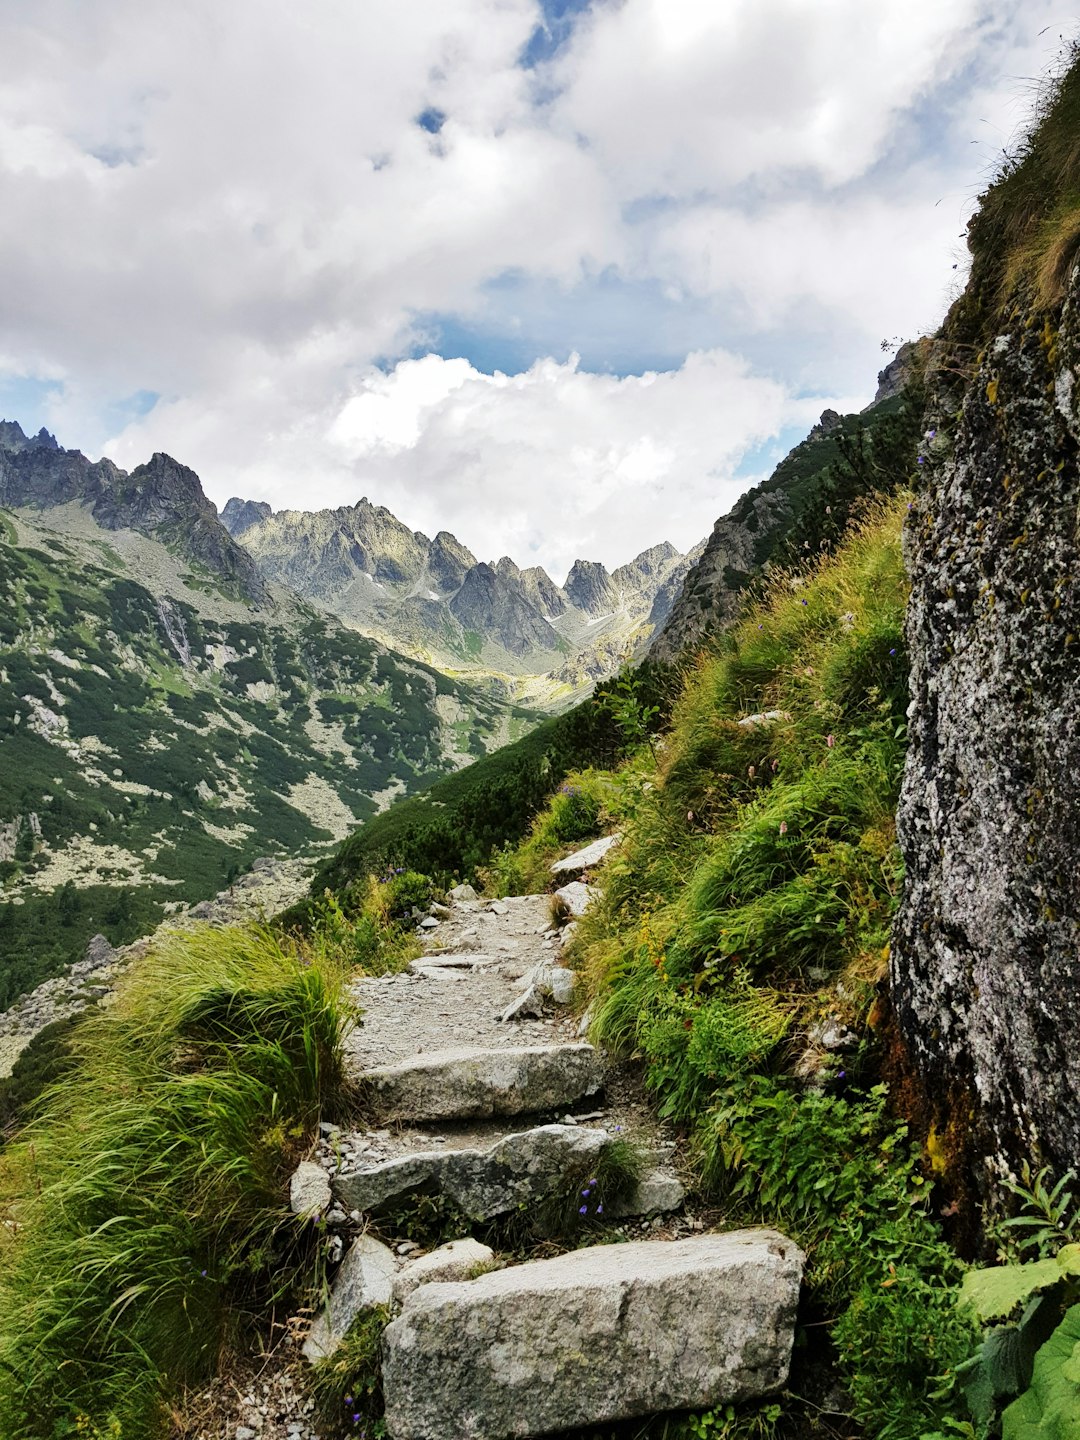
(234, 207)
(546, 465)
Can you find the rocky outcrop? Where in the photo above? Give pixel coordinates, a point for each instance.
(594, 1336)
(448, 562)
(591, 588)
(538, 587)
(492, 605)
(12, 438)
(766, 526)
(239, 515)
(986, 949)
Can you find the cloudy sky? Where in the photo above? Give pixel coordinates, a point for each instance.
(561, 276)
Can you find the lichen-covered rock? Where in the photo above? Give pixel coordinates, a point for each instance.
(477, 1084)
(597, 1335)
(986, 950)
(364, 1281)
(458, 1260)
(517, 1171)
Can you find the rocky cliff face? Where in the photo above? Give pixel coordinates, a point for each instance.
(491, 604)
(240, 515)
(806, 495)
(161, 499)
(986, 953)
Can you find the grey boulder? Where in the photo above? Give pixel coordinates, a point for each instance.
(309, 1189)
(364, 1281)
(459, 1260)
(476, 1084)
(587, 858)
(594, 1336)
(576, 896)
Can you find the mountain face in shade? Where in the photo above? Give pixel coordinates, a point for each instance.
(591, 588)
(240, 515)
(491, 603)
(162, 498)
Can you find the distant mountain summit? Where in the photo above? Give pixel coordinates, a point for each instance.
(436, 600)
(161, 499)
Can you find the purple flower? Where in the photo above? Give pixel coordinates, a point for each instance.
(921, 460)
(584, 1210)
(893, 650)
(599, 1209)
(804, 602)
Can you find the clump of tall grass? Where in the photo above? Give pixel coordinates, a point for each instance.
(148, 1202)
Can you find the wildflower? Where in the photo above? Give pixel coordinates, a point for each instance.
(775, 766)
(783, 827)
(803, 602)
(348, 1400)
(922, 459)
(830, 740)
(761, 627)
(893, 650)
(599, 1209)
(584, 1210)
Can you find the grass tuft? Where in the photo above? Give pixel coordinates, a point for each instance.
(149, 1200)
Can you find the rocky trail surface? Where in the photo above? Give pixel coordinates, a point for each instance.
(490, 1112)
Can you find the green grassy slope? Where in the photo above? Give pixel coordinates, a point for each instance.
(140, 769)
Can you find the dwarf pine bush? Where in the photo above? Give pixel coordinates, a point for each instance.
(147, 1205)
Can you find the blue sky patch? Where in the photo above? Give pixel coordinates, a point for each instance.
(553, 32)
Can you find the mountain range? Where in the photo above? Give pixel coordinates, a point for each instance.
(435, 600)
(167, 715)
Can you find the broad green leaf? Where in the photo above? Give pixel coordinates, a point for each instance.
(997, 1291)
(1050, 1410)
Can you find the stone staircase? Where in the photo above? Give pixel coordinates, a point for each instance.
(501, 1118)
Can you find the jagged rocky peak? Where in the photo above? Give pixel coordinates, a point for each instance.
(829, 421)
(540, 590)
(240, 515)
(449, 561)
(508, 570)
(591, 588)
(162, 499)
(494, 607)
(12, 437)
(651, 565)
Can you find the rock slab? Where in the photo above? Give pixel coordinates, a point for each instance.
(458, 1260)
(364, 1280)
(477, 1084)
(595, 1336)
(585, 859)
(518, 1170)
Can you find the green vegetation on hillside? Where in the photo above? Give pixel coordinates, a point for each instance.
(160, 752)
(454, 826)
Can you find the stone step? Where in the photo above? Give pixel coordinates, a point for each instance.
(526, 1168)
(595, 1336)
(474, 1083)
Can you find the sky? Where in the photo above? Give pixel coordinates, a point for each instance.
(564, 277)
